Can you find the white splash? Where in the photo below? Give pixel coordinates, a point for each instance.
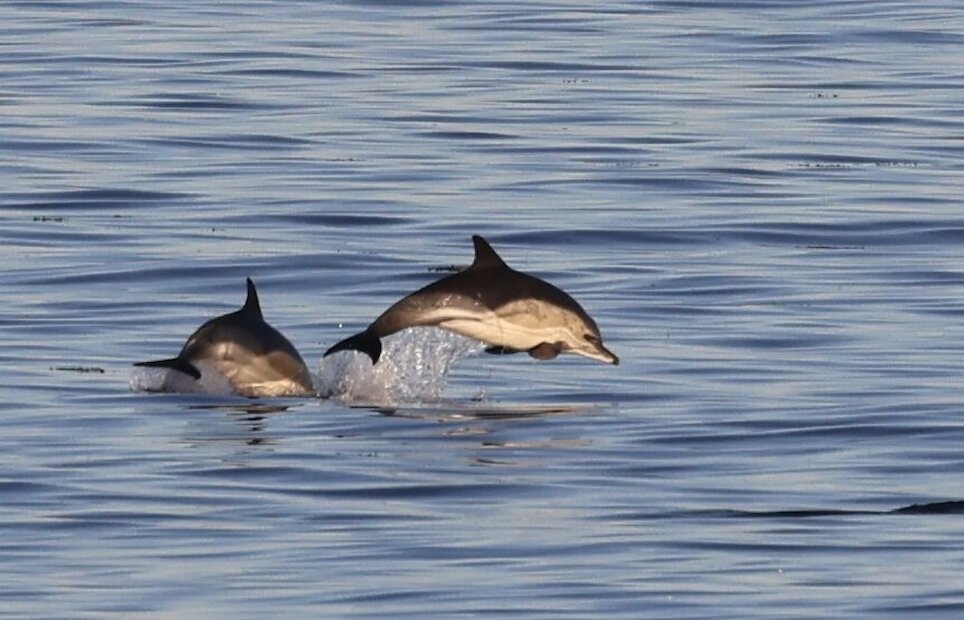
(152, 379)
(413, 368)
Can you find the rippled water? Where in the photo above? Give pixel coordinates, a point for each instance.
(759, 203)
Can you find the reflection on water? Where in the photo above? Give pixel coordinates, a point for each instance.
(455, 411)
(244, 423)
(256, 410)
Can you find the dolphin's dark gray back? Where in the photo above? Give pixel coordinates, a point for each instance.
(488, 282)
(399, 315)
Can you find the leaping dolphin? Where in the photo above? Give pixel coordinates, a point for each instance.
(255, 358)
(509, 310)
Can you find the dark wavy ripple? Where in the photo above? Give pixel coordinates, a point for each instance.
(759, 202)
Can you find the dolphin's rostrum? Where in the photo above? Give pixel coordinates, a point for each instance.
(254, 357)
(508, 310)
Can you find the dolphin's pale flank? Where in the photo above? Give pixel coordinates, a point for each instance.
(508, 310)
(252, 355)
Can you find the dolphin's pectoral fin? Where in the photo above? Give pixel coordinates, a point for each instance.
(367, 342)
(501, 351)
(175, 363)
(546, 350)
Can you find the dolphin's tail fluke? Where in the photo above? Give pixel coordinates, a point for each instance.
(176, 363)
(367, 342)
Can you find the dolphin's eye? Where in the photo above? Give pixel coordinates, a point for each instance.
(591, 338)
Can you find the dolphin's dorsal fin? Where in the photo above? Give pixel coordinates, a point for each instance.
(251, 303)
(485, 256)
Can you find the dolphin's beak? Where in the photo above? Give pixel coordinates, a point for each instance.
(608, 356)
(599, 352)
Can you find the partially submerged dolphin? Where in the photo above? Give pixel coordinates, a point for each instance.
(255, 358)
(506, 309)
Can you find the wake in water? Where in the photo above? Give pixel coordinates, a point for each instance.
(413, 368)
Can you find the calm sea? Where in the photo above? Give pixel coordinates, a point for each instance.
(758, 201)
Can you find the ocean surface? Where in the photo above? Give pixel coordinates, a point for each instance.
(759, 202)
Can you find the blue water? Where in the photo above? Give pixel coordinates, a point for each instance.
(758, 202)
